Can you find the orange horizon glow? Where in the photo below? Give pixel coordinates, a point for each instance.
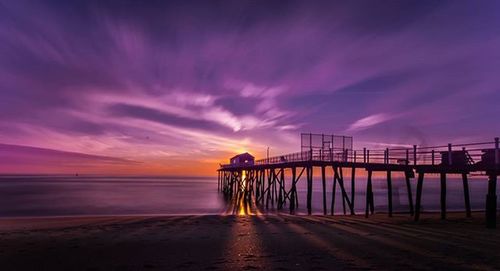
(18, 160)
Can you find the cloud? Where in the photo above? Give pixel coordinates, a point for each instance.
(24, 159)
(367, 122)
(171, 80)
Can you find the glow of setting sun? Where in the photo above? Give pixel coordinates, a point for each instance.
(242, 206)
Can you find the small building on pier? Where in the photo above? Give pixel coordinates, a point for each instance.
(242, 159)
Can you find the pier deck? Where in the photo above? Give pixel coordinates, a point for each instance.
(263, 181)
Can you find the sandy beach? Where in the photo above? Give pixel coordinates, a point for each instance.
(248, 242)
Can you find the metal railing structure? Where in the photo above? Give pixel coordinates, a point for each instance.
(324, 142)
(481, 158)
(484, 153)
(333, 155)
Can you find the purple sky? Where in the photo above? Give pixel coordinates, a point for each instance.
(153, 85)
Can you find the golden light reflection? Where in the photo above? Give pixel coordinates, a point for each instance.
(242, 204)
(246, 204)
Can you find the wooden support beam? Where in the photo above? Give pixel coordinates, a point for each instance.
(278, 181)
(369, 193)
(466, 195)
(226, 182)
(269, 188)
(443, 195)
(275, 186)
(408, 189)
(372, 202)
(389, 192)
(491, 202)
(287, 194)
(251, 184)
(418, 205)
(221, 173)
(281, 188)
(231, 182)
(341, 184)
(257, 186)
(263, 185)
(309, 189)
(353, 190)
(296, 194)
(323, 179)
(234, 187)
(345, 198)
(292, 195)
(334, 191)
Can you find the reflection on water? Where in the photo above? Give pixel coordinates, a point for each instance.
(243, 203)
(57, 195)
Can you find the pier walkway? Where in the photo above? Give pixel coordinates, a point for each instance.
(263, 181)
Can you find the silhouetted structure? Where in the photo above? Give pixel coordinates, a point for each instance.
(244, 159)
(264, 181)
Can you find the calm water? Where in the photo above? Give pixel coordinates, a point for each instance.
(59, 195)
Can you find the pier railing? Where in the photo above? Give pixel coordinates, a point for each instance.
(480, 158)
(336, 155)
(451, 154)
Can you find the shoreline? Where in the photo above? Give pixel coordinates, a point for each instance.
(234, 242)
(46, 222)
(268, 213)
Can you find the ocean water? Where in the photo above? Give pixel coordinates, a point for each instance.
(93, 195)
(83, 195)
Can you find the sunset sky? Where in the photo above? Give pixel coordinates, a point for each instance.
(175, 87)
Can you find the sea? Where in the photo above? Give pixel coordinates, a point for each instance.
(58, 195)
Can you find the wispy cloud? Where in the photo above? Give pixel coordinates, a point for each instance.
(367, 122)
(161, 81)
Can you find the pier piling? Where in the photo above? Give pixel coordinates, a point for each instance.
(264, 182)
(466, 195)
(389, 192)
(443, 194)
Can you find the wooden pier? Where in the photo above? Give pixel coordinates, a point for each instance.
(263, 182)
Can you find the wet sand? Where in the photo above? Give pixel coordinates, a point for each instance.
(273, 242)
